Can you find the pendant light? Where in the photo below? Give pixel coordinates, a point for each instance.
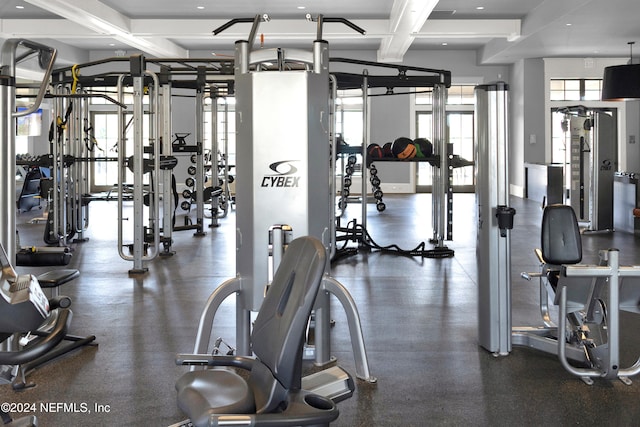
(622, 82)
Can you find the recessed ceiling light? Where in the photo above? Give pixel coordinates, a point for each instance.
(301, 7)
(200, 7)
(568, 25)
(480, 8)
(19, 7)
(112, 44)
(445, 44)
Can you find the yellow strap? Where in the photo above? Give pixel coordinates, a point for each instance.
(74, 74)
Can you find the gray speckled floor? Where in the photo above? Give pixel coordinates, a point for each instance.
(418, 319)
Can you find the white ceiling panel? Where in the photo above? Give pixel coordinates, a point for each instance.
(502, 31)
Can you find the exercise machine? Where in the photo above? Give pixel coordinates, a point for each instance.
(591, 160)
(9, 58)
(586, 333)
(32, 326)
(589, 298)
(273, 392)
(285, 134)
(146, 154)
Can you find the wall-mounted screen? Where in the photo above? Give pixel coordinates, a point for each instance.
(30, 125)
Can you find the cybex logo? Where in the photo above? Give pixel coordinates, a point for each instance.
(284, 175)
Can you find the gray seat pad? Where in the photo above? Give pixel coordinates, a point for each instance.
(214, 391)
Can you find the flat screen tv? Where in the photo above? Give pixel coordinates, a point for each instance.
(29, 125)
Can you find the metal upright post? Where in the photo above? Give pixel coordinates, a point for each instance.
(214, 156)
(7, 163)
(365, 141)
(495, 218)
(137, 72)
(168, 201)
(199, 126)
(140, 250)
(439, 173)
(81, 169)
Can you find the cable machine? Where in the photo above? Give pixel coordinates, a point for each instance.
(591, 162)
(152, 160)
(284, 140)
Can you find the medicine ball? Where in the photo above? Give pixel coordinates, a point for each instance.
(403, 148)
(374, 151)
(424, 147)
(386, 150)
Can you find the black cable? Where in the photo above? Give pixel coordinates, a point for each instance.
(356, 232)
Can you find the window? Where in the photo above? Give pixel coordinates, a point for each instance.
(226, 129)
(456, 95)
(575, 89)
(459, 127)
(349, 119)
(459, 132)
(559, 137)
(461, 95)
(105, 132)
(22, 144)
(592, 90)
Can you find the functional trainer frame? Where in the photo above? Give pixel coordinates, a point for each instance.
(284, 140)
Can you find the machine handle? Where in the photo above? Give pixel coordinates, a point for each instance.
(33, 352)
(46, 60)
(321, 19)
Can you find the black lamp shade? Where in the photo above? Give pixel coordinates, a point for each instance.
(621, 82)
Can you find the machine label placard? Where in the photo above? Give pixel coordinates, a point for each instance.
(285, 175)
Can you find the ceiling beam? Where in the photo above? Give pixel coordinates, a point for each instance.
(152, 33)
(103, 20)
(406, 19)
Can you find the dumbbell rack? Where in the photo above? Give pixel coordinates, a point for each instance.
(349, 170)
(189, 194)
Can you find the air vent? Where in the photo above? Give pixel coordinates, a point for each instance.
(442, 14)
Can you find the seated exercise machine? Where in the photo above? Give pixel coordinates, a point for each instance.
(32, 325)
(273, 391)
(586, 336)
(283, 187)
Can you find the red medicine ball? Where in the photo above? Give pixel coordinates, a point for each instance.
(374, 151)
(386, 149)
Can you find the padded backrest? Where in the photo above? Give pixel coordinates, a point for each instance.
(561, 240)
(278, 331)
